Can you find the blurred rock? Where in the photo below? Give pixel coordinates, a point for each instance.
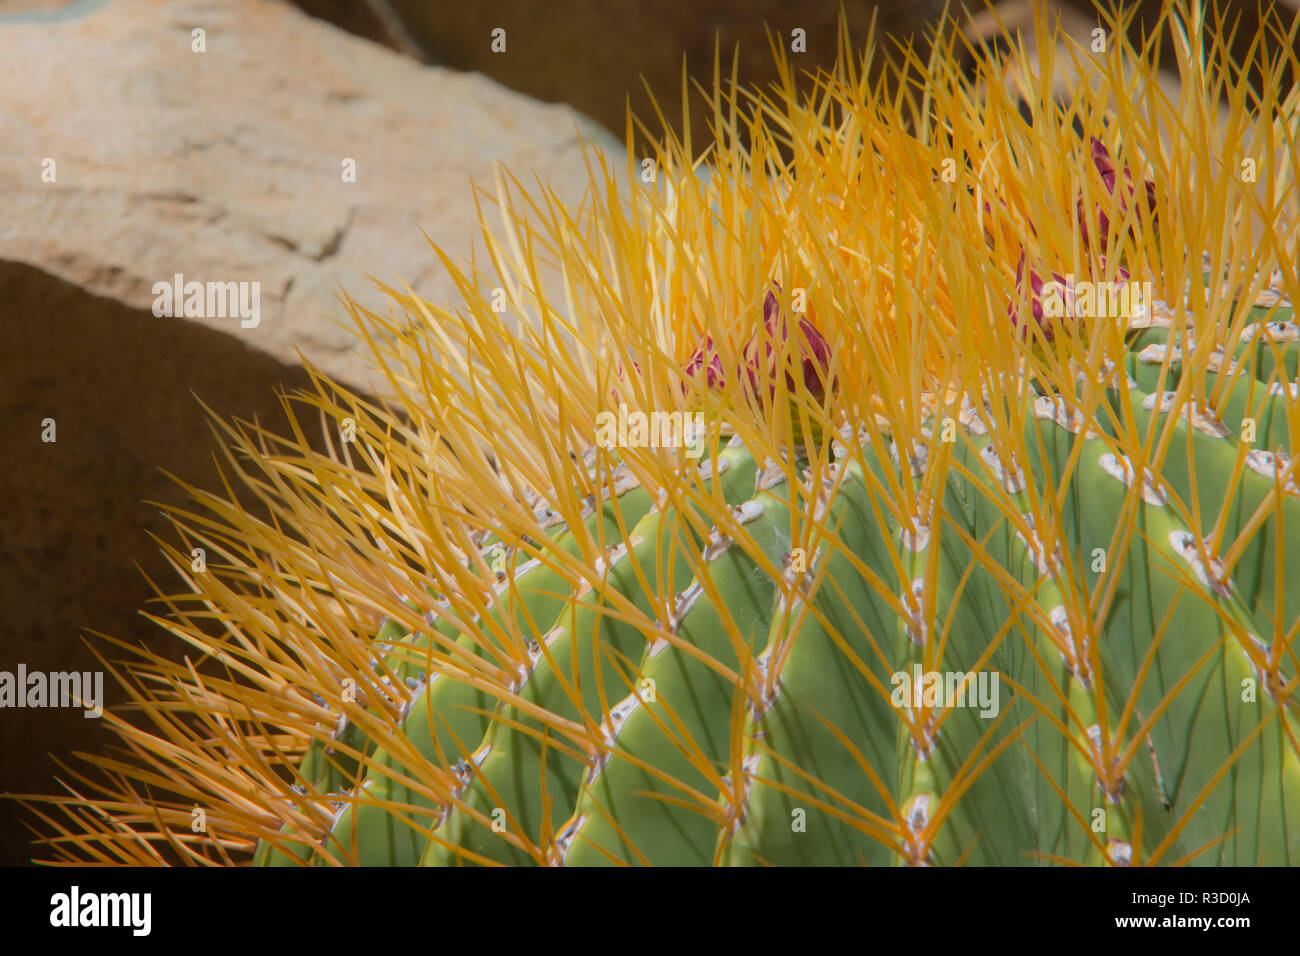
(33, 10)
(228, 165)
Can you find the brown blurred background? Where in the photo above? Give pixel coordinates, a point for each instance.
(593, 54)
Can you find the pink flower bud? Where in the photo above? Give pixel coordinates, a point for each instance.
(758, 372)
(1036, 284)
(1105, 167)
(706, 358)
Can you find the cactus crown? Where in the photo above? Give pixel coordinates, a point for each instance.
(847, 261)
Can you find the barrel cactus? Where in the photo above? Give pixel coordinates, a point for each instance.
(901, 479)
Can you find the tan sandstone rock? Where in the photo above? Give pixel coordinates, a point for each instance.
(228, 165)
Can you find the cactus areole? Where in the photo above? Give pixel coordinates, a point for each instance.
(969, 544)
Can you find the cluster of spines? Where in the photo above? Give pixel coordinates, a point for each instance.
(908, 291)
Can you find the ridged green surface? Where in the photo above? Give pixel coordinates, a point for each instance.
(824, 770)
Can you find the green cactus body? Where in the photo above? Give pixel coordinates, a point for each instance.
(931, 578)
(829, 769)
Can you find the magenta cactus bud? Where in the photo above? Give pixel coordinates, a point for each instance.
(1105, 166)
(707, 359)
(815, 362)
(814, 350)
(814, 356)
(1036, 284)
(771, 306)
(620, 377)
